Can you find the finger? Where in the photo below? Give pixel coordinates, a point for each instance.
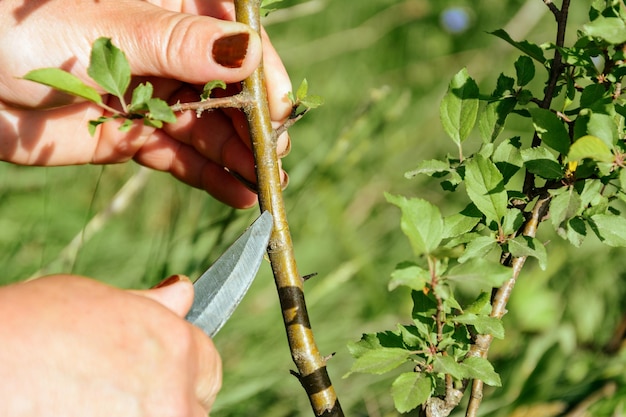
(175, 293)
(189, 48)
(278, 83)
(163, 153)
(209, 376)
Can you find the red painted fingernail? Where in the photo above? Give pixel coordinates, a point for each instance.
(231, 50)
(168, 281)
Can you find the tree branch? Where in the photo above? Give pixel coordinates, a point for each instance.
(310, 363)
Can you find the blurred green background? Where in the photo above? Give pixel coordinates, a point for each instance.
(382, 67)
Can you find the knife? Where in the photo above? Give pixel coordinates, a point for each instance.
(221, 288)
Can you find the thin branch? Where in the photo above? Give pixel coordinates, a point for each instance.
(501, 298)
(555, 11)
(310, 363)
(237, 101)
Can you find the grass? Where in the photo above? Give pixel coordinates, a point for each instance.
(382, 67)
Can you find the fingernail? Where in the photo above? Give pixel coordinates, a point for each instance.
(231, 50)
(168, 281)
(285, 181)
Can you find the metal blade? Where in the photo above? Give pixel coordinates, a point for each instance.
(222, 287)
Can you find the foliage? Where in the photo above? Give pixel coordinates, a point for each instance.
(571, 170)
(109, 68)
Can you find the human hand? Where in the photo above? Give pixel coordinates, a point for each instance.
(170, 44)
(74, 347)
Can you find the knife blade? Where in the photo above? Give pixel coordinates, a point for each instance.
(221, 288)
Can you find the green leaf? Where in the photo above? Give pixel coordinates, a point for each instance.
(513, 220)
(611, 229)
(480, 271)
(409, 275)
(430, 167)
(610, 29)
(312, 101)
(590, 147)
(540, 161)
(563, 206)
(65, 82)
(410, 390)
(481, 368)
(527, 246)
(109, 68)
(551, 130)
(485, 187)
(447, 365)
(302, 90)
(491, 121)
(478, 248)
(141, 95)
(508, 158)
(160, 110)
(458, 224)
(459, 107)
(604, 127)
(483, 324)
(421, 222)
(525, 70)
(482, 305)
(379, 361)
(267, 10)
(209, 87)
(93, 124)
(530, 49)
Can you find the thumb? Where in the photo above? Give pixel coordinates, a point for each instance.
(189, 48)
(175, 293)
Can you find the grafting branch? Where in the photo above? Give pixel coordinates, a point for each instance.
(311, 365)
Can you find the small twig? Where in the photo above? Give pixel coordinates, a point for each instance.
(555, 11)
(237, 101)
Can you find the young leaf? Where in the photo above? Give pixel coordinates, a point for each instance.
(590, 147)
(410, 390)
(481, 368)
(525, 70)
(430, 167)
(611, 229)
(459, 107)
(141, 95)
(409, 275)
(527, 246)
(460, 223)
(540, 161)
(564, 205)
(447, 365)
(483, 324)
(209, 87)
(478, 248)
(530, 49)
(485, 187)
(551, 130)
(379, 361)
(481, 272)
(302, 90)
(611, 29)
(421, 222)
(64, 81)
(508, 158)
(93, 124)
(312, 101)
(109, 68)
(159, 110)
